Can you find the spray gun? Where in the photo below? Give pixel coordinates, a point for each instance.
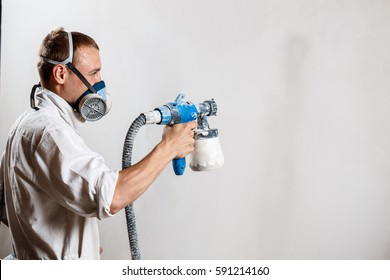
(207, 154)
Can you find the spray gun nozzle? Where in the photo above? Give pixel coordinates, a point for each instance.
(208, 108)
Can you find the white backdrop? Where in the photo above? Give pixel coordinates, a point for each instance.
(303, 91)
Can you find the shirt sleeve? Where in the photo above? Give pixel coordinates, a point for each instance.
(3, 213)
(74, 175)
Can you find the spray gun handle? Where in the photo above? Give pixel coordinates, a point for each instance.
(179, 165)
(179, 111)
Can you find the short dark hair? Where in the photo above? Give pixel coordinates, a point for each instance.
(55, 46)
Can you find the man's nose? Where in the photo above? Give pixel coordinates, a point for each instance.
(96, 79)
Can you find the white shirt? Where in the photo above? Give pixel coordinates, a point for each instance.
(54, 185)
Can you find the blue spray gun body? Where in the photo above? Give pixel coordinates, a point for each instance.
(181, 111)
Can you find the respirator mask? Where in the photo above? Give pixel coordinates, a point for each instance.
(95, 102)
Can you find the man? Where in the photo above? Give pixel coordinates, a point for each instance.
(54, 186)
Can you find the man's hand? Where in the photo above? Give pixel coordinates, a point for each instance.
(180, 138)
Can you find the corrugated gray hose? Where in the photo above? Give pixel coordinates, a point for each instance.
(126, 162)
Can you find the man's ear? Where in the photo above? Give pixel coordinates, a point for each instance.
(59, 73)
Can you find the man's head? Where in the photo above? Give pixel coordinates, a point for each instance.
(70, 66)
(55, 47)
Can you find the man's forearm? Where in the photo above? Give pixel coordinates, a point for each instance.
(134, 181)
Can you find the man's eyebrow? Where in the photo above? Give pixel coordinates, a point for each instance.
(94, 70)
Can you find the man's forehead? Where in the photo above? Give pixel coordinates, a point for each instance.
(87, 55)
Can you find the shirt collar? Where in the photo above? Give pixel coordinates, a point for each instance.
(47, 98)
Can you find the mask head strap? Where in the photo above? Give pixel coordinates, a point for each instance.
(70, 57)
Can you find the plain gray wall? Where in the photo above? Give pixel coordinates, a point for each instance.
(303, 91)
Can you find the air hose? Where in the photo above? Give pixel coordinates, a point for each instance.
(126, 162)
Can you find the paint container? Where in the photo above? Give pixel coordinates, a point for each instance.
(207, 154)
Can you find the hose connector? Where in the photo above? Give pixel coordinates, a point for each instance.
(152, 117)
